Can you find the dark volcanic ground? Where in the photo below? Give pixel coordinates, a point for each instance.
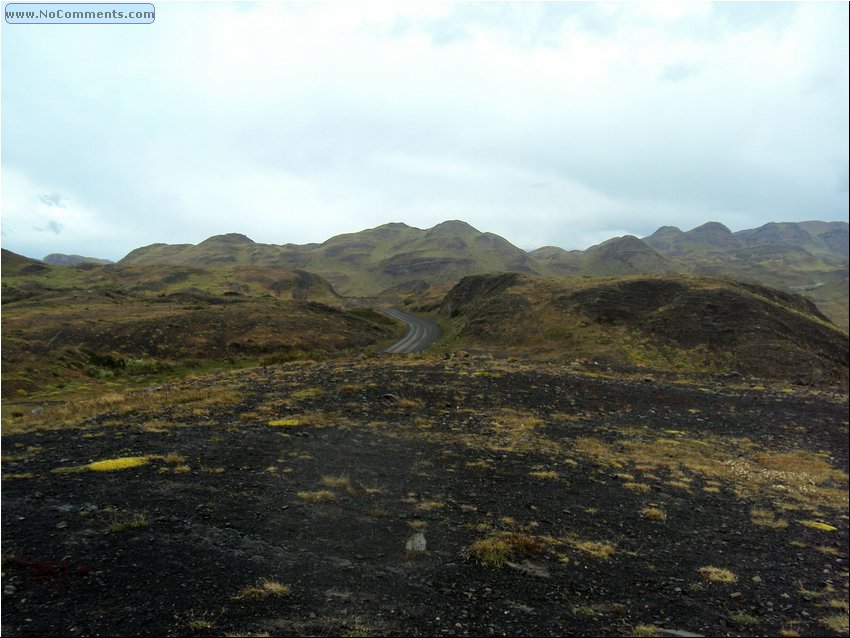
(315, 477)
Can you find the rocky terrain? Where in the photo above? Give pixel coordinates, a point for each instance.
(417, 496)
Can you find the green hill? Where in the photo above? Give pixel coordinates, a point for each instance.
(66, 327)
(364, 263)
(396, 259)
(666, 323)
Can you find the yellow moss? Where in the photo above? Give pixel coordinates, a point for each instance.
(284, 422)
(111, 465)
(107, 465)
(818, 525)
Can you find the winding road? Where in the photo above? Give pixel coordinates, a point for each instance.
(421, 333)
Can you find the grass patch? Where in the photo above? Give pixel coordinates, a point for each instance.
(127, 521)
(595, 549)
(430, 506)
(545, 474)
(654, 513)
(743, 619)
(307, 394)
(497, 549)
(836, 622)
(718, 574)
(277, 423)
(319, 496)
(766, 518)
(341, 482)
(264, 589)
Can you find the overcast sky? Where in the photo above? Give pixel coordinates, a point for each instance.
(547, 123)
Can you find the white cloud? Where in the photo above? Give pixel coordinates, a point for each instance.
(297, 121)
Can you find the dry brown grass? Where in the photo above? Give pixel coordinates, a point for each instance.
(654, 513)
(799, 476)
(766, 518)
(319, 496)
(339, 482)
(497, 549)
(186, 397)
(718, 574)
(600, 550)
(264, 589)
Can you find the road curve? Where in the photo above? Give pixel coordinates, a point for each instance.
(421, 333)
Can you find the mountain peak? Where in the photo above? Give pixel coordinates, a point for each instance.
(228, 238)
(454, 226)
(714, 228)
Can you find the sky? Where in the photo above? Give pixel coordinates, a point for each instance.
(555, 123)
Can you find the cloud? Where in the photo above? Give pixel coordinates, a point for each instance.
(52, 226)
(297, 121)
(54, 199)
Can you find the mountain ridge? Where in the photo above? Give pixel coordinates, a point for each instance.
(808, 257)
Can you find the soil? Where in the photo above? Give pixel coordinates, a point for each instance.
(455, 450)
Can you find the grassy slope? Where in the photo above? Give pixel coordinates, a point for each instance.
(670, 323)
(810, 257)
(67, 326)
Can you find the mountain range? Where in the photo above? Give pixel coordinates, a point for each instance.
(396, 259)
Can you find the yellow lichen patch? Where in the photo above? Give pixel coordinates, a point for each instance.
(107, 465)
(826, 527)
(111, 465)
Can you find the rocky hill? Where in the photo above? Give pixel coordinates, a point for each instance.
(673, 323)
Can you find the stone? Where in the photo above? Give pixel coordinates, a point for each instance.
(416, 543)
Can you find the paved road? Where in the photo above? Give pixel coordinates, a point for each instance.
(421, 333)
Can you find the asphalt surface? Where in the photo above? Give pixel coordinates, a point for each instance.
(421, 333)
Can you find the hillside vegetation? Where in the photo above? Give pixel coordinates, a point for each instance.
(396, 259)
(668, 323)
(363, 263)
(67, 328)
